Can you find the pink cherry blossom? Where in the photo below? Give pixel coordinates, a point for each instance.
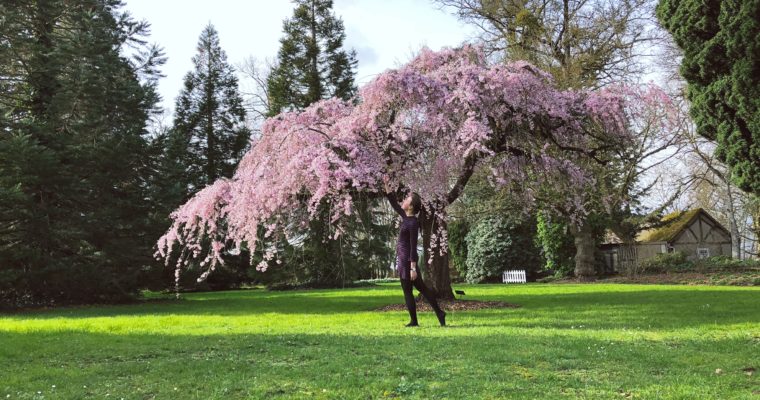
(420, 127)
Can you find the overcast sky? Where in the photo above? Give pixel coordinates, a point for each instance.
(384, 33)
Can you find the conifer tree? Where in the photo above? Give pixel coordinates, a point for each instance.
(78, 87)
(209, 119)
(313, 65)
(721, 64)
(209, 133)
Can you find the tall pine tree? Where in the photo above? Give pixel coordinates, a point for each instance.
(208, 138)
(312, 65)
(73, 197)
(721, 64)
(209, 122)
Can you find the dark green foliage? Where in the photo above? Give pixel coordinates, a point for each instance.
(360, 252)
(496, 244)
(556, 245)
(209, 135)
(721, 64)
(73, 152)
(311, 64)
(364, 246)
(677, 262)
(728, 263)
(457, 233)
(666, 262)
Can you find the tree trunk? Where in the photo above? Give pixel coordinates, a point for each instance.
(437, 275)
(584, 253)
(736, 240)
(736, 246)
(756, 230)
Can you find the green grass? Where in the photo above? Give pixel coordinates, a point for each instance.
(593, 341)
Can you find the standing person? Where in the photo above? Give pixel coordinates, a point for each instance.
(406, 255)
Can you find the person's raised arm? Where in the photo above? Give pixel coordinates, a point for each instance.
(391, 196)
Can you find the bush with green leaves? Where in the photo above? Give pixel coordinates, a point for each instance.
(496, 244)
(726, 263)
(457, 233)
(666, 262)
(677, 262)
(556, 245)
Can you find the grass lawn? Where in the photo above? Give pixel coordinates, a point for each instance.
(591, 341)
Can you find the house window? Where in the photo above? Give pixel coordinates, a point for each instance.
(671, 249)
(663, 248)
(703, 253)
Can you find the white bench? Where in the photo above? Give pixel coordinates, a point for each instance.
(514, 276)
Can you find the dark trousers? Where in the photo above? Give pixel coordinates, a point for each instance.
(411, 306)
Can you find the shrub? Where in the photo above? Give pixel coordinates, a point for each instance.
(60, 284)
(726, 263)
(677, 262)
(556, 246)
(457, 234)
(495, 244)
(666, 262)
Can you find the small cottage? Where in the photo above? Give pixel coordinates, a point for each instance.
(693, 232)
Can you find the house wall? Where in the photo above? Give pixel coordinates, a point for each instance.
(617, 257)
(703, 233)
(714, 249)
(649, 250)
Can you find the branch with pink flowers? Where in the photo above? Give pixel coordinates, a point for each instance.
(424, 127)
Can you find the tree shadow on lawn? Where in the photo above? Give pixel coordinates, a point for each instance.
(282, 364)
(212, 303)
(677, 308)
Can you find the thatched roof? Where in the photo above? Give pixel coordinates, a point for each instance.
(675, 223)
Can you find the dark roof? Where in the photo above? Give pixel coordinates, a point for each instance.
(675, 223)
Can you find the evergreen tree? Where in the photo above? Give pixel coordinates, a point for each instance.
(721, 63)
(312, 64)
(73, 195)
(210, 135)
(208, 138)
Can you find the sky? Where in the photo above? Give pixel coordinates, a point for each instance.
(384, 33)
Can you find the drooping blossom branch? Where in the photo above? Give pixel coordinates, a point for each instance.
(425, 127)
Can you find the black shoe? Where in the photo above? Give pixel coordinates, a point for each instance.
(442, 317)
(411, 324)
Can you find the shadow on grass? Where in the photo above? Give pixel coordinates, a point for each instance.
(647, 309)
(228, 304)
